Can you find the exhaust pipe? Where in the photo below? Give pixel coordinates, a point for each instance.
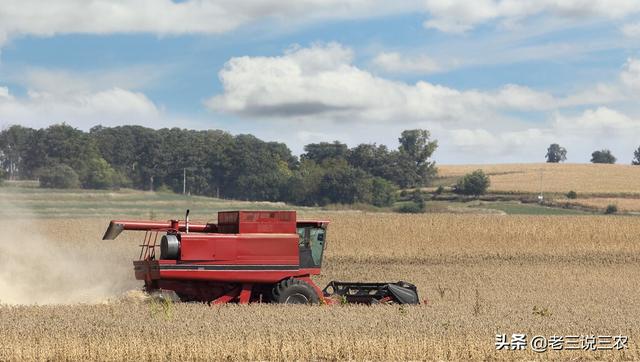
(186, 222)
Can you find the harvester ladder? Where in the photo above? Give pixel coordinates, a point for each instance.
(148, 246)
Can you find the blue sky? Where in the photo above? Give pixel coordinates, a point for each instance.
(493, 80)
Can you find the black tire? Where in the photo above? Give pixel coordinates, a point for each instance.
(150, 286)
(294, 291)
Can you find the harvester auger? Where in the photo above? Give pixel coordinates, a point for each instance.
(248, 256)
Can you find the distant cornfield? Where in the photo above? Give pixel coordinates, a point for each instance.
(623, 204)
(481, 275)
(554, 177)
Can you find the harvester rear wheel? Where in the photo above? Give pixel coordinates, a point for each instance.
(295, 291)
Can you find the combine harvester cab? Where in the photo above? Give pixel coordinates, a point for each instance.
(248, 256)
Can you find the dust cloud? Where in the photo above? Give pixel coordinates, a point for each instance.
(60, 261)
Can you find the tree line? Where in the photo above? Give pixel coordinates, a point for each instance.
(216, 163)
(557, 153)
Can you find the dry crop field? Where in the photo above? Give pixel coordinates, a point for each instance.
(480, 274)
(558, 178)
(598, 203)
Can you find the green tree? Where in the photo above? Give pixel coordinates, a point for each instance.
(303, 187)
(61, 144)
(636, 157)
(556, 154)
(417, 205)
(14, 142)
(383, 192)
(475, 183)
(59, 176)
(323, 151)
(137, 152)
(344, 184)
(413, 165)
(602, 156)
(418, 199)
(256, 173)
(372, 158)
(216, 163)
(100, 175)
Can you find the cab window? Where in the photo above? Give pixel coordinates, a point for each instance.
(314, 239)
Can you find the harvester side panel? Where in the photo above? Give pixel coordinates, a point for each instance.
(248, 222)
(243, 249)
(217, 272)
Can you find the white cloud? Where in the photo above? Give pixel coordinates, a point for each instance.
(513, 96)
(600, 93)
(631, 30)
(397, 63)
(82, 99)
(472, 138)
(297, 88)
(166, 17)
(82, 109)
(624, 89)
(631, 74)
(461, 15)
(4, 93)
(593, 129)
(64, 81)
(598, 121)
(497, 142)
(322, 82)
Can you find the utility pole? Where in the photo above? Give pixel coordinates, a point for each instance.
(540, 196)
(184, 181)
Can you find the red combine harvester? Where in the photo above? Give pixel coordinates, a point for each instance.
(248, 256)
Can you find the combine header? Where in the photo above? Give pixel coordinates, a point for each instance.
(248, 256)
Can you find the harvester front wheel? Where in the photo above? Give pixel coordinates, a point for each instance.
(295, 291)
